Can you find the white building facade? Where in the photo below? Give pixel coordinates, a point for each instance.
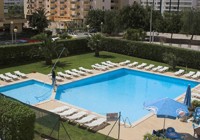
(171, 5)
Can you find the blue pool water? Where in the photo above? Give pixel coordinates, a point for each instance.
(121, 90)
(30, 92)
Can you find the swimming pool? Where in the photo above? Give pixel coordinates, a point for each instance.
(29, 92)
(121, 90)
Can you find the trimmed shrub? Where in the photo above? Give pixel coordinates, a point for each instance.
(153, 137)
(189, 58)
(30, 51)
(17, 120)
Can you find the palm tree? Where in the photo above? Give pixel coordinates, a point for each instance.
(39, 20)
(47, 48)
(95, 43)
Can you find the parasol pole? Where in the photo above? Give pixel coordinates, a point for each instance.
(164, 124)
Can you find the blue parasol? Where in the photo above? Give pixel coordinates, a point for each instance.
(167, 108)
(187, 100)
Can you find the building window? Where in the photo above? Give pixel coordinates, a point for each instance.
(102, 0)
(103, 7)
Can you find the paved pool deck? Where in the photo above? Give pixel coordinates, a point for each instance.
(134, 132)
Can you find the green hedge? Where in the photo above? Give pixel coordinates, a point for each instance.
(189, 58)
(17, 120)
(29, 51)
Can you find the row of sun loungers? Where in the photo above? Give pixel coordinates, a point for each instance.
(69, 74)
(8, 77)
(81, 117)
(145, 66)
(190, 74)
(104, 65)
(161, 69)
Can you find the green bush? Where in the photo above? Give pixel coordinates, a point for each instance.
(189, 58)
(153, 137)
(17, 120)
(30, 51)
(171, 59)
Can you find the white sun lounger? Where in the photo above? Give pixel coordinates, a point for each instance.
(141, 65)
(179, 72)
(85, 70)
(149, 67)
(86, 119)
(108, 65)
(98, 65)
(72, 73)
(98, 68)
(189, 74)
(196, 76)
(60, 109)
(95, 123)
(157, 68)
(12, 76)
(20, 74)
(68, 112)
(133, 64)
(124, 63)
(58, 78)
(61, 74)
(76, 116)
(112, 63)
(163, 69)
(79, 72)
(5, 78)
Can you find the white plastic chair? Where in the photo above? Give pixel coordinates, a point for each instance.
(85, 70)
(179, 72)
(60, 109)
(5, 78)
(68, 112)
(95, 123)
(149, 67)
(12, 76)
(86, 119)
(76, 116)
(20, 74)
(79, 72)
(132, 64)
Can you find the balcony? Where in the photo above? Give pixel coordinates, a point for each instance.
(62, 8)
(86, 2)
(53, 7)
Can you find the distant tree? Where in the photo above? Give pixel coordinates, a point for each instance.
(95, 43)
(111, 23)
(156, 19)
(39, 20)
(133, 16)
(94, 19)
(171, 59)
(191, 20)
(173, 23)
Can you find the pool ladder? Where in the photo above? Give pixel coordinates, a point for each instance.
(127, 122)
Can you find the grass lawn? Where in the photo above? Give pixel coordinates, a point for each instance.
(85, 60)
(75, 133)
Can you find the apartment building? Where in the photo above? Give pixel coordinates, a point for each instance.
(171, 5)
(8, 3)
(72, 10)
